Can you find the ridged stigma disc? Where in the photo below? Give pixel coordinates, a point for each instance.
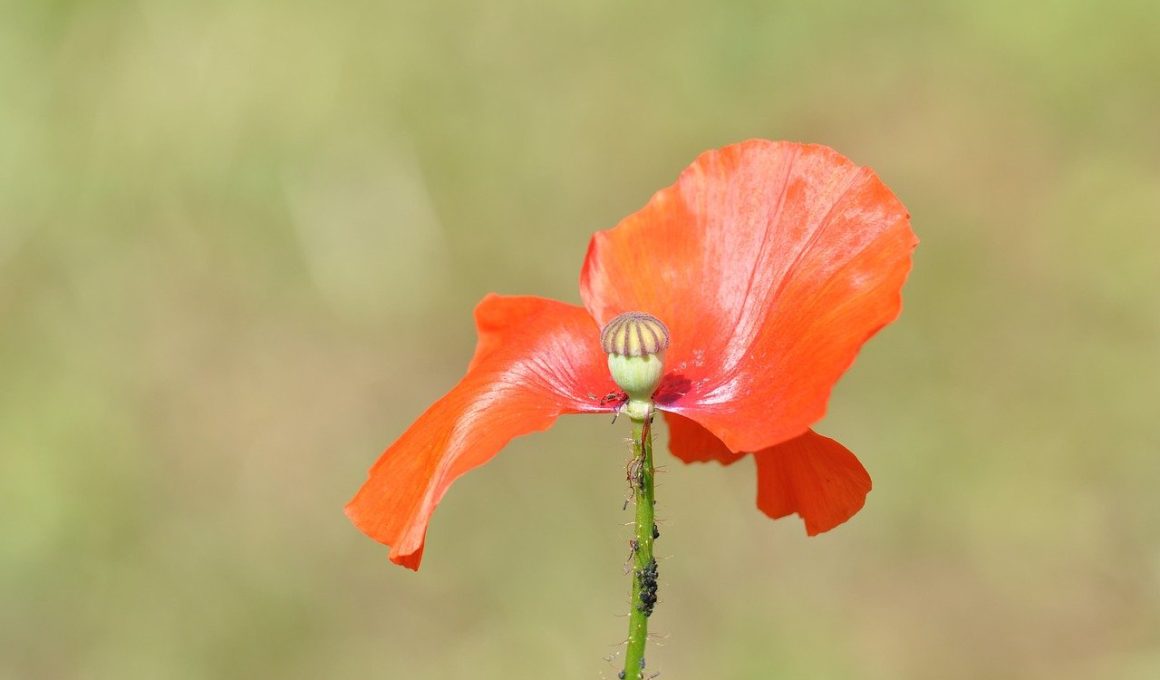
(635, 334)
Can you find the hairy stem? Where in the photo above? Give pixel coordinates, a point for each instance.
(644, 572)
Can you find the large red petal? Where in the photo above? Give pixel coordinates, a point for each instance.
(535, 359)
(814, 476)
(771, 263)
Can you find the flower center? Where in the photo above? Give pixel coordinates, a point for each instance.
(635, 343)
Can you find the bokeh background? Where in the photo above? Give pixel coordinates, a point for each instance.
(240, 243)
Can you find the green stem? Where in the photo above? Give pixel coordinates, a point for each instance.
(644, 572)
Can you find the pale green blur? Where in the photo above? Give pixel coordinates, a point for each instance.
(240, 244)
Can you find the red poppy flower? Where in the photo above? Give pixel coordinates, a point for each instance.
(770, 263)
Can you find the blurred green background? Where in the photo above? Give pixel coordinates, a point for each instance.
(240, 243)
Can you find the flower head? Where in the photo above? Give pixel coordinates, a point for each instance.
(635, 343)
(770, 264)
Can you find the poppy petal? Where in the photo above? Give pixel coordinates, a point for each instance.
(814, 476)
(535, 359)
(771, 263)
(694, 444)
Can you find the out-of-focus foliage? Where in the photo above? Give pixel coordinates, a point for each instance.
(239, 247)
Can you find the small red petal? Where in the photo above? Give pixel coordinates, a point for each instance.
(771, 263)
(694, 444)
(814, 476)
(535, 360)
